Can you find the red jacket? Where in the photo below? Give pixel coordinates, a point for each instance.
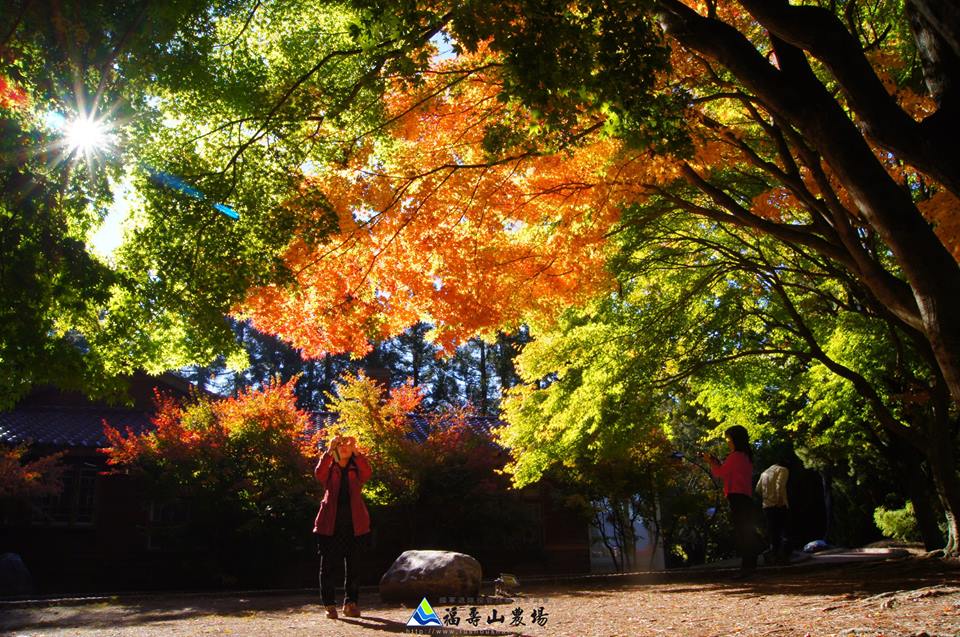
(736, 473)
(329, 473)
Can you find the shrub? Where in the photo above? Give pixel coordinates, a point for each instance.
(897, 524)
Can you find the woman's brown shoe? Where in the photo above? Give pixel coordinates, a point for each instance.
(332, 612)
(351, 610)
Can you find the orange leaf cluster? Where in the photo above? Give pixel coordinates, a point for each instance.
(773, 204)
(170, 436)
(943, 211)
(432, 229)
(19, 479)
(255, 419)
(11, 95)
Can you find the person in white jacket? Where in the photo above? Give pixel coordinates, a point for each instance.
(772, 488)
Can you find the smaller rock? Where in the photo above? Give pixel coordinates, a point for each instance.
(506, 585)
(815, 546)
(14, 577)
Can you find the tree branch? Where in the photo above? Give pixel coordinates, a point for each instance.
(820, 32)
(861, 384)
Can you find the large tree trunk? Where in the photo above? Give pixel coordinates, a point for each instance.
(943, 467)
(949, 488)
(919, 490)
(939, 58)
(929, 145)
(796, 96)
(943, 17)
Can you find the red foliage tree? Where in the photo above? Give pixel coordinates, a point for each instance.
(31, 478)
(242, 466)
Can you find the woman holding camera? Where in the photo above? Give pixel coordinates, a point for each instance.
(342, 523)
(736, 471)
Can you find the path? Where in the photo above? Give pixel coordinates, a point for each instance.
(893, 598)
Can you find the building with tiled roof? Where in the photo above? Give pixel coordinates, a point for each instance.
(103, 533)
(50, 417)
(67, 427)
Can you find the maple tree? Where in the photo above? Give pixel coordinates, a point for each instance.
(397, 199)
(769, 142)
(242, 466)
(595, 95)
(801, 104)
(377, 188)
(430, 229)
(20, 478)
(380, 425)
(451, 466)
(402, 458)
(583, 91)
(774, 339)
(209, 113)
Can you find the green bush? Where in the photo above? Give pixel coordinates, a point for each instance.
(897, 524)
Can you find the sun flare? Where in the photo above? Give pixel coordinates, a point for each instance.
(86, 135)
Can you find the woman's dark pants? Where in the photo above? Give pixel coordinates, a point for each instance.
(338, 560)
(744, 517)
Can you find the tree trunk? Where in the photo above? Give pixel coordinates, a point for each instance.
(599, 516)
(627, 540)
(796, 96)
(938, 59)
(484, 380)
(416, 361)
(918, 488)
(942, 16)
(944, 469)
(928, 146)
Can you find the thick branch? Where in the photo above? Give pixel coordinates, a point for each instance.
(861, 384)
(820, 32)
(784, 232)
(929, 268)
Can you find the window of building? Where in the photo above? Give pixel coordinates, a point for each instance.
(75, 505)
(166, 525)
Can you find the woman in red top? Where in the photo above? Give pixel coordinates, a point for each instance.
(737, 475)
(342, 523)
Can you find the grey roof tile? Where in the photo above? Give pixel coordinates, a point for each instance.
(67, 426)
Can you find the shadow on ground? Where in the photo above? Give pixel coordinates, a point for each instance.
(851, 580)
(153, 609)
(859, 579)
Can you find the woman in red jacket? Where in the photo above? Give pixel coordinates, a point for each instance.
(342, 523)
(737, 475)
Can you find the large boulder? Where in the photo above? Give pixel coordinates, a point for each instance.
(431, 574)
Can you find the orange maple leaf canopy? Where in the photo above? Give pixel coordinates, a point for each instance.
(432, 229)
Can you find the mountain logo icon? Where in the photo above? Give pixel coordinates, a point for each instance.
(424, 615)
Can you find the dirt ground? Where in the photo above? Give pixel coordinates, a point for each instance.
(893, 598)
